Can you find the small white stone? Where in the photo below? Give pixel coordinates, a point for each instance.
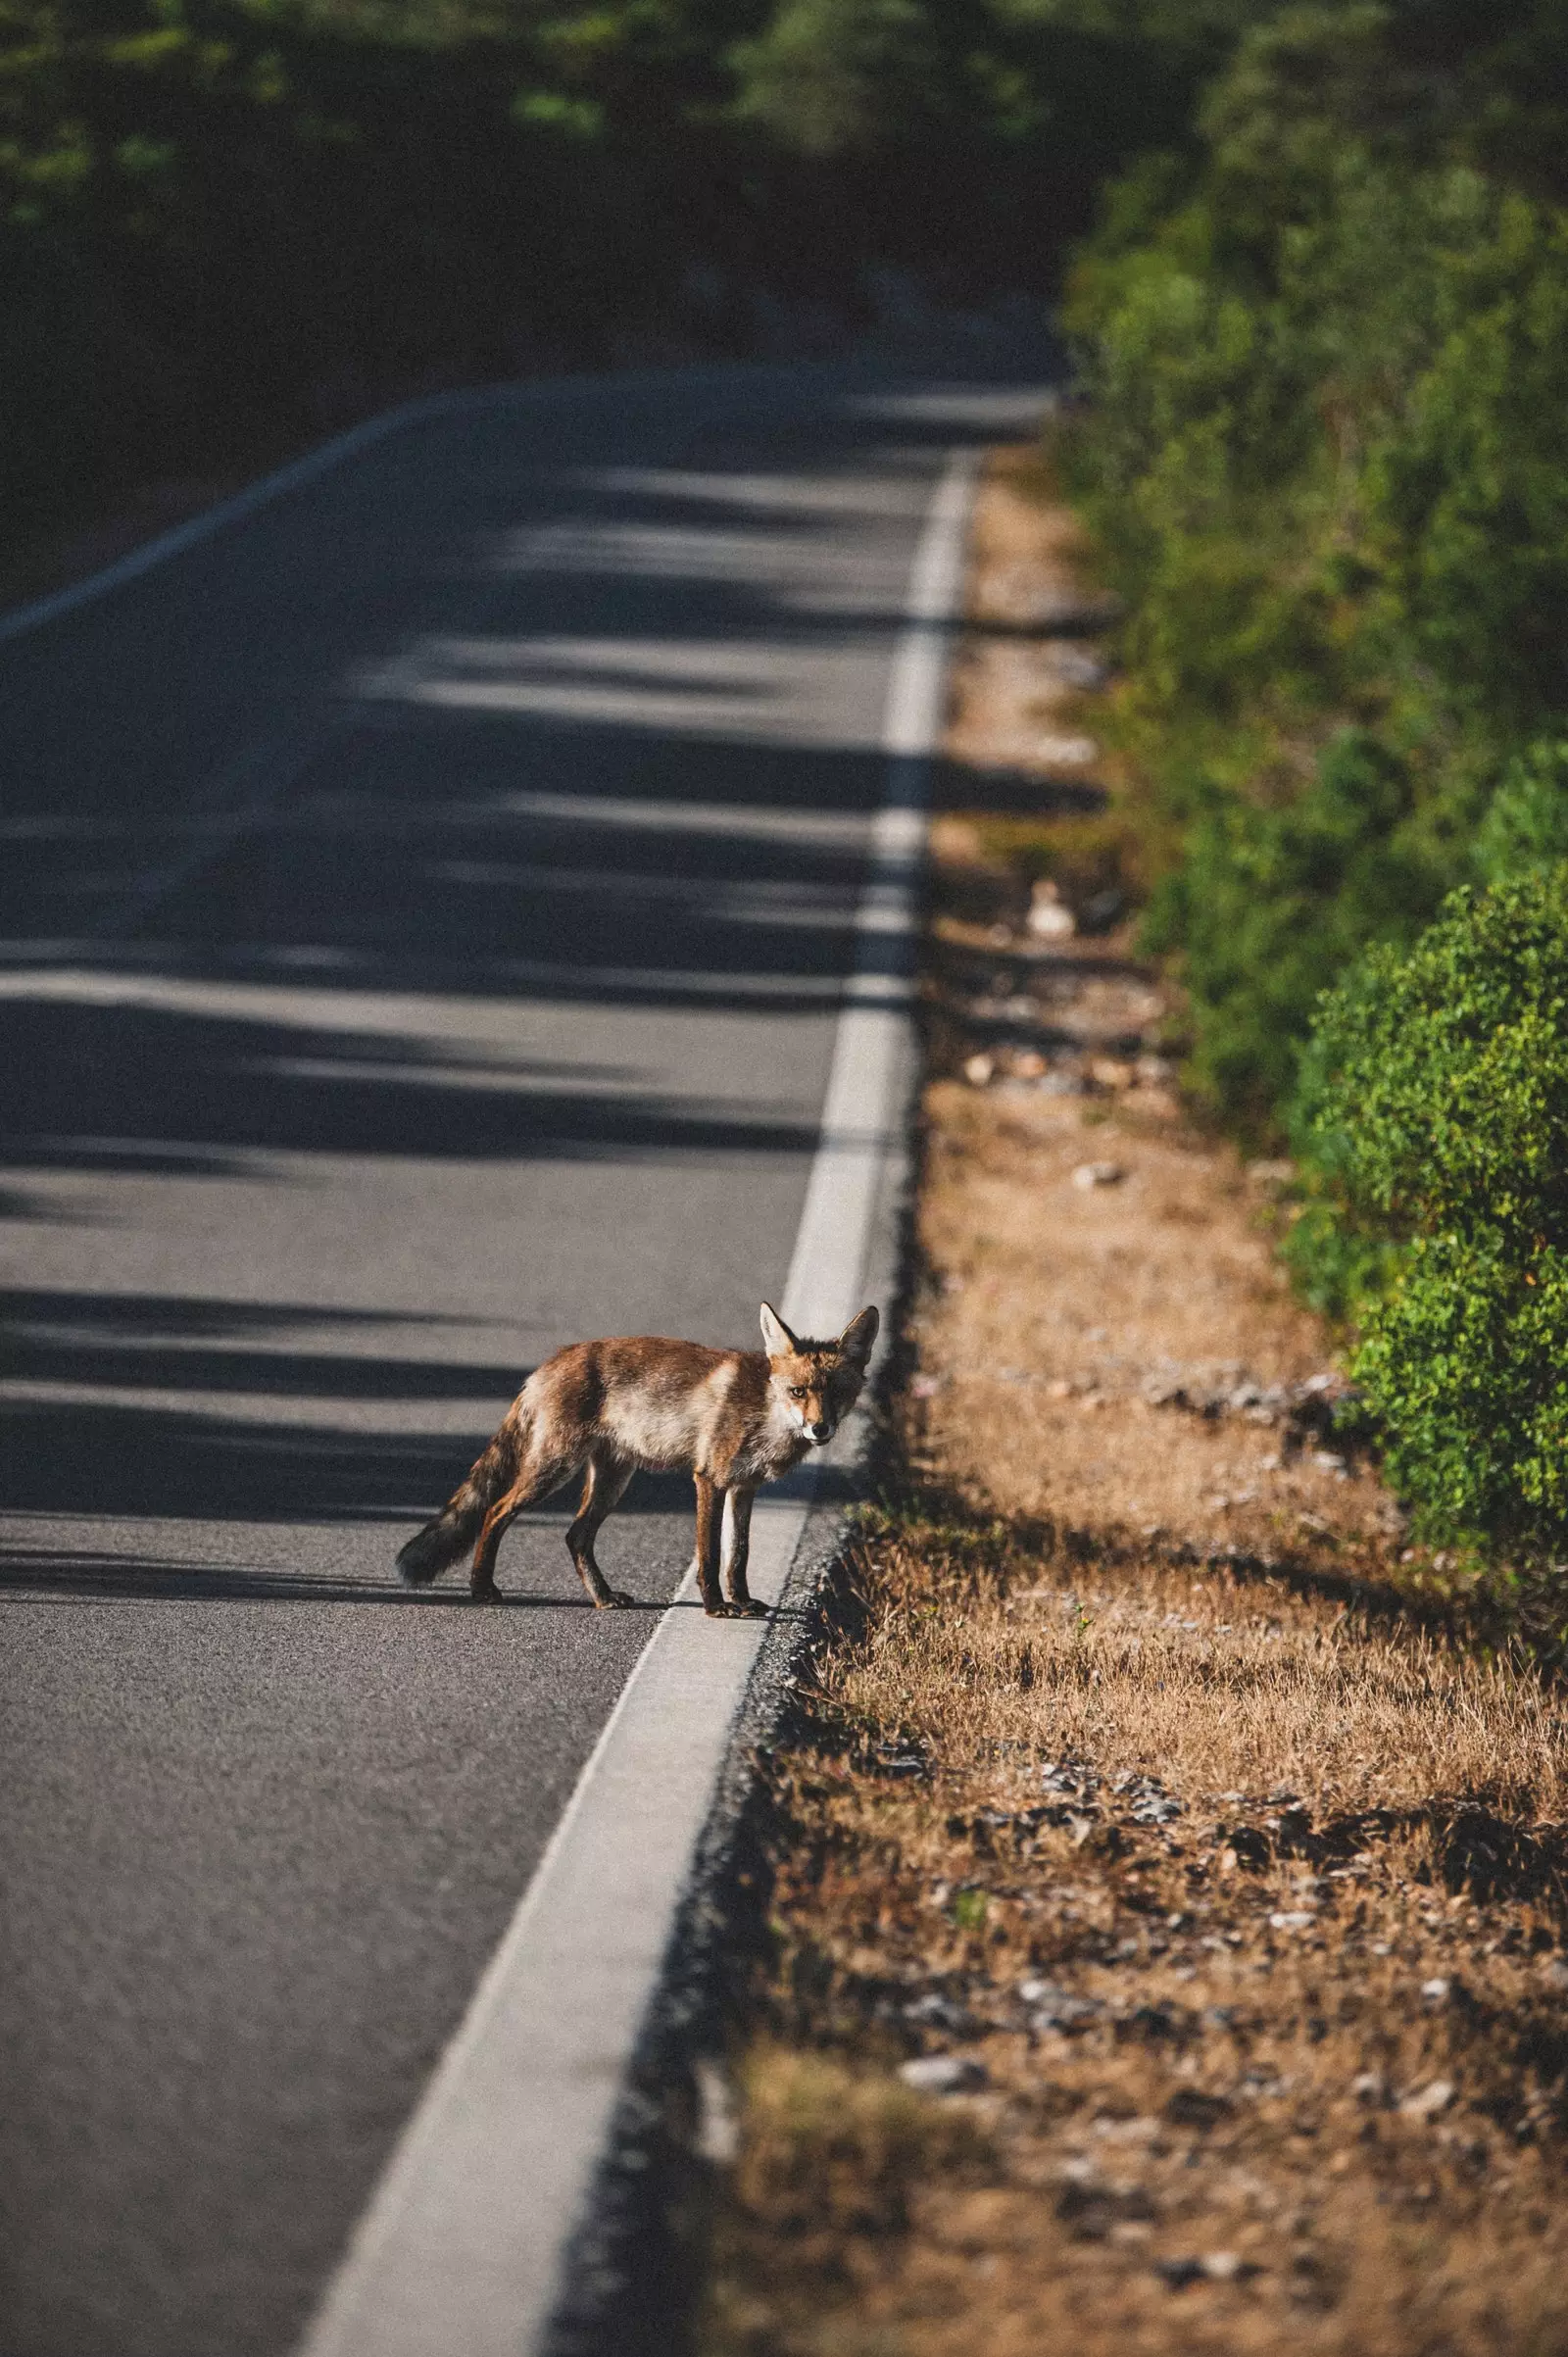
(1089, 1175)
(1425, 2103)
(718, 2126)
(943, 2074)
(1049, 919)
(979, 1070)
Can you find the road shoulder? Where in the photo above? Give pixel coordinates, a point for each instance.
(1161, 1937)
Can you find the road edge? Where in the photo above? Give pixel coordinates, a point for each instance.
(278, 482)
(632, 2273)
(466, 2242)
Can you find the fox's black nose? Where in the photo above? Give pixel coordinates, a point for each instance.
(820, 1432)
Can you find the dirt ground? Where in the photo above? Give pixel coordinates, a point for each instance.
(1167, 1936)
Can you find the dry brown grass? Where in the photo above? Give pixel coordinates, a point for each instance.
(1253, 2022)
(1242, 1894)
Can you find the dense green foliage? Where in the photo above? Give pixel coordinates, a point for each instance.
(1327, 458)
(218, 215)
(1327, 455)
(1434, 1106)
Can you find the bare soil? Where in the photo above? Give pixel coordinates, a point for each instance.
(1168, 1944)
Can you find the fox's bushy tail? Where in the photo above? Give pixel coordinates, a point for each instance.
(459, 1521)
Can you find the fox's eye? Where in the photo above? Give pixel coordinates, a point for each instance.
(797, 1391)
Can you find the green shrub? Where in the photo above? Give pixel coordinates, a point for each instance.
(1271, 904)
(1525, 831)
(1326, 458)
(1469, 498)
(1466, 1367)
(1433, 1110)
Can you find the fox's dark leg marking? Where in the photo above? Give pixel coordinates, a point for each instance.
(709, 1511)
(602, 1492)
(738, 1533)
(535, 1481)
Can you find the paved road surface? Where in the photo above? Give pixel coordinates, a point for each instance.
(422, 914)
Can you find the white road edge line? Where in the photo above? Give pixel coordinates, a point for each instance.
(459, 2252)
(427, 410)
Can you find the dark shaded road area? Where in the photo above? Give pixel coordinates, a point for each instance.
(423, 914)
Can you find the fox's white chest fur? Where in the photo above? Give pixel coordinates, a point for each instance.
(772, 1448)
(697, 1427)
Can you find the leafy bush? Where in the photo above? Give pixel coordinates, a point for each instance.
(1270, 904)
(1471, 494)
(1326, 456)
(1433, 1108)
(1525, 831)
(1326, 460)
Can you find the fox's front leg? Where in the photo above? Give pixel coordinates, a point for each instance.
(735, 1549)
(705, 1553)
(705, 1556)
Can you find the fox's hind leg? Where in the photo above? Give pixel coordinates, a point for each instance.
(602, 1493)
(539, 1476)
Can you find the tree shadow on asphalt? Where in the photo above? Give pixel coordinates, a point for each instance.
(642, 655)
(61, 1573)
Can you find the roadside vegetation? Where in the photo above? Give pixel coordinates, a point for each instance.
(1167, 1867)
(1324, 456)
(1166, 1920)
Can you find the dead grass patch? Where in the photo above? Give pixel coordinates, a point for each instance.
(1253, 1917)
(1230, 1896)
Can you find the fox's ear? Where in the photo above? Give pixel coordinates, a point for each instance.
(859, 1334)
(777, 1340)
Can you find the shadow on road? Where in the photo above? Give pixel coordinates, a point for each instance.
(573, 731)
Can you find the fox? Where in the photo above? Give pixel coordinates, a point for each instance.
(733, 1419)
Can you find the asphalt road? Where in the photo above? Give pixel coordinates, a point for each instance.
(423, 911)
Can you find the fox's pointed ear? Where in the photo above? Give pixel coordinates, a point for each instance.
(777, 1340)
(859, 1334)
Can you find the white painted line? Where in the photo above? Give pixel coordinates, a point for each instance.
(322, 461)
(260, 494)
(841, 1192)
(459, 2252)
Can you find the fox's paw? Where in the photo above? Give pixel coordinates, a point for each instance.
(749, 1611)
(489, 1593)
(614, 1599)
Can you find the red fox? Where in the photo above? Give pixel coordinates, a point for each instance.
(733, 1418)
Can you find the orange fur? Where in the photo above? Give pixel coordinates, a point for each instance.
(733, 1419)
